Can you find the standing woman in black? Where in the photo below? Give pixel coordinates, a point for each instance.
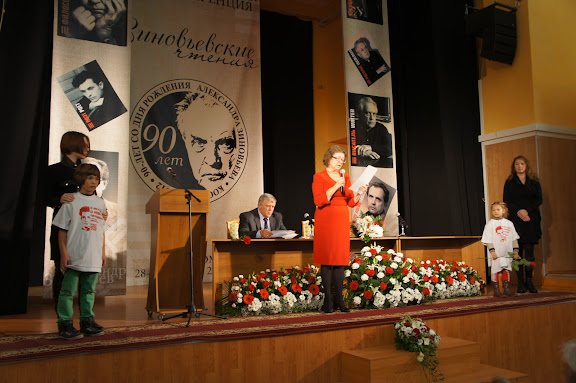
(60, 185)
(523, 195)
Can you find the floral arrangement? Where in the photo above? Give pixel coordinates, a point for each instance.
(378, 279)
(412, 334)
(274, 292)
(368, 227)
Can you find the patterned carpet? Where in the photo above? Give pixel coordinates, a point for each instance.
(18, 348)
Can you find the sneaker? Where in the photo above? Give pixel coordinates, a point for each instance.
(67, 331)
(90, 328)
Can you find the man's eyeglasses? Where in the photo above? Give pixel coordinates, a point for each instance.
(343, 160)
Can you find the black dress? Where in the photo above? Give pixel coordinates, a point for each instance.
(526, 196)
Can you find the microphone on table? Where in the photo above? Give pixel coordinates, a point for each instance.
(342, 172)
(308, 218)
(402, 224)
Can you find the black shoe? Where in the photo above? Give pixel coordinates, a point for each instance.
(531, 287)
(327, 310)
(87, 327)
(344, 309)
(67, 331)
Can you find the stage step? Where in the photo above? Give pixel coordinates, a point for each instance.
(459, 361)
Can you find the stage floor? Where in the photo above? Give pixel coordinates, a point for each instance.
(111, 311)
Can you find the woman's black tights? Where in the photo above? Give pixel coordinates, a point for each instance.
(332, 277)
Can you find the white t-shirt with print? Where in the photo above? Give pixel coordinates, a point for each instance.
(501, 233)
(84, 221)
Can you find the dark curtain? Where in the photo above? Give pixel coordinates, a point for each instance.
(287, 115)
(437, 118)
(25, 82)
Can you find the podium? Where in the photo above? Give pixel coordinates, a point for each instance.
(169, 284)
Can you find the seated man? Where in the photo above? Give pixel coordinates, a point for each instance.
(260, 222)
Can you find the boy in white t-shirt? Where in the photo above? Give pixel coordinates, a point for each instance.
(82, 248)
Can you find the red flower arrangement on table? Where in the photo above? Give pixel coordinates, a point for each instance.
(273, 292)
(378, 279)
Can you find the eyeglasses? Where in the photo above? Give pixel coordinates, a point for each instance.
(343, 160)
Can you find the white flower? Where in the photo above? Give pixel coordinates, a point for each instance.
(364, 277)
(380, 275)
(379, 258)
(241, 276)
(355, 266)
(347, 273)
(390, 251)
(236, 279)
(420, 357)
(394, 265)
(357, 300)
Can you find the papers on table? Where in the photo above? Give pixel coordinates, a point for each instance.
(284, 234)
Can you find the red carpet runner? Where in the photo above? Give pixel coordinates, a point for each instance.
(18, 348)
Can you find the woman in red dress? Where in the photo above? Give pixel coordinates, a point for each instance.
(332, 198)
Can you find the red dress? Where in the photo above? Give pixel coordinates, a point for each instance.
(331, 221)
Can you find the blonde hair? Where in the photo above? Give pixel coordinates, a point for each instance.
(502, 205)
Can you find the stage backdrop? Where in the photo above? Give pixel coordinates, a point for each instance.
(91, 94)
(369, 100)
(195, 115)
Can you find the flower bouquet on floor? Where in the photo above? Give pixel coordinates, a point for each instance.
(368, 227)
(273, 292)
(412, 334)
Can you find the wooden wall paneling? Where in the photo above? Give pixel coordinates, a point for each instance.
(557, 176)
(527, 340)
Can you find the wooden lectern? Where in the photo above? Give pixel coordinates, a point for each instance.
(169, 285)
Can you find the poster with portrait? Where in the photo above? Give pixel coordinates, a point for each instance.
(112, 278)
(365, 10)
(377, 199)
(370, 139)
(102, 21)
(367, 59)
(91, 95)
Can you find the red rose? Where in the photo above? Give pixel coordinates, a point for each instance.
(306, 269)
(405, 271)
(232, 297)
(289, 270)
(251, 287)
(383, 286)
(266, 284)
(426, 291)
(263, 274)
(434, 262)
(454, 269)
(354, 285)
(370, 273)
(472, 280)
(264, 294)
(247, 240)
(425, 278)
(389, 270)
(314, 289)
(461, 277)
(243, 280)
(356, 260)
(248, 299)
(274, 276)
(449, 280)
(437, 268)
(368, 294)
(412, 281)
(258, 278)
(434, 279)
(532, 264)
(293, 279)
(282, 273)
(373, 251)
(414, 267)
(283, 290)
(415, 332)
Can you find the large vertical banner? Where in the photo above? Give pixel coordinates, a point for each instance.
(369, 100)
(195, 116)
(91, 94)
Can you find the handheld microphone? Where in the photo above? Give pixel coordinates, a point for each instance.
(171, 171)
(342, 172)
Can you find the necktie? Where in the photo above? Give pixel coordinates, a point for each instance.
(266, 223)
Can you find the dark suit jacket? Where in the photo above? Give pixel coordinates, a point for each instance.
(250, 223)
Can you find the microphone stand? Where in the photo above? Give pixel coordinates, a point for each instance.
(192, 308)
(402, 224)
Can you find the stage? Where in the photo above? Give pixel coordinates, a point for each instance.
(283, 348)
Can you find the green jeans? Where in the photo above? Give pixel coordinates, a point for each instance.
(86, 295)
